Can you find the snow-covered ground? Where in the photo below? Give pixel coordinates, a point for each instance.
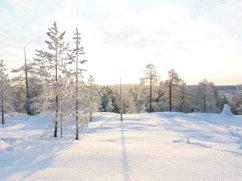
(142, 147)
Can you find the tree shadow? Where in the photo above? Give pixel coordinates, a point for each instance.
(125, 161)
(93, 130)
(31, 156)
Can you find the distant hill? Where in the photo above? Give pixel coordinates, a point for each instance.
(219, 88)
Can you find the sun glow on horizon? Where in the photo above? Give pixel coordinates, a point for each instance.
(197, 39)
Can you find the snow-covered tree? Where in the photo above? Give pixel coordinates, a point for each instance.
(23, 83)
(78, 76)
(221, 100)
(172, 87)
(152, 79)
(18, 94)
(206, 97)
(109, 96)
(51, 65)
(183, 97)
(109, 107)
(236, 99)
(65, 91)
(93, 96)
(4, 91)
(142, 96)
(132, 98)
(160, 103)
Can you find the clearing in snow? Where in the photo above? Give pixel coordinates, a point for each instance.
(148, 146)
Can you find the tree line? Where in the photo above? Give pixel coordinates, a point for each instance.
(154, 95)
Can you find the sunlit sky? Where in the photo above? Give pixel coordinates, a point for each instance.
(197, 38)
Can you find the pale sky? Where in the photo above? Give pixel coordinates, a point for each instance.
(197, 38)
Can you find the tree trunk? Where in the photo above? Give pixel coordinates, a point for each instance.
(182, 101)
(2, 110)
(170, 96)
(150, 91)
(121, 101)
(77, 51)
(61, 124)
(124, 101)
(204, 100)
(27, 85)
(57, 102)
(2, 93)
(204, 103)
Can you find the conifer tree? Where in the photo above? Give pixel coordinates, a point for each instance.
(206, 97)
(93, 96)
(109, 107)
(105, 91)
(4, 91)
(183, 97)
(161, 98)
(236, 99)
(78, 74)
(152, 79)
(142, 96)
(172, 84)
(65, 101)
(19, 94)
(25, 71)
(51, 65)
(132, 98)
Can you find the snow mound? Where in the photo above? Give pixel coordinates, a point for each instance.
(3, 145)
(227, 111)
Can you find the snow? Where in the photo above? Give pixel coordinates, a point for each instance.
(143, 147)
(226, 110)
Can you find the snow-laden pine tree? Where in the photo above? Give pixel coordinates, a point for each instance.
(161, 99)
(236, 99)
(5, 95)
(18, 94)
(51, 66)
(80, 102)
(93, 96)
(131, 106)
(65, 102)
(183, 97)
(65, 90)
(152, 79)
(25, 76)
(172, 85)
(142, 97)
(106, 93)
(205, 97)
(109, 107)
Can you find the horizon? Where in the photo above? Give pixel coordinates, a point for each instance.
(186, 85)
(198, 39)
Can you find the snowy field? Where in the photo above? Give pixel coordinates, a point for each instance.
(142, 147)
